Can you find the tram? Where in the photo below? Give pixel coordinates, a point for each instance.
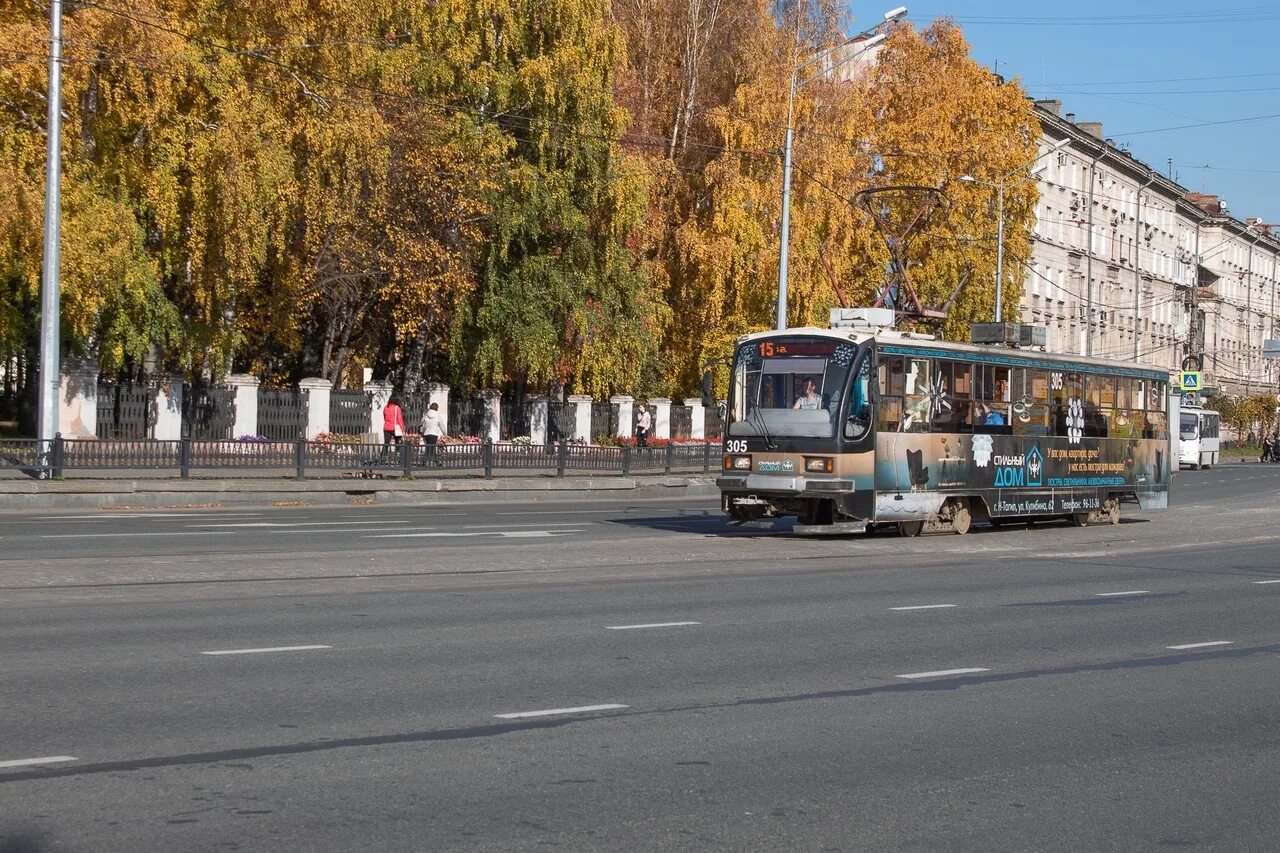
(858, 427)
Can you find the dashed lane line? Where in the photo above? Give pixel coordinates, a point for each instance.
(1209, 644)
(505, 534)
(264, 650)
(551, 712)
(32, 762)
(924, 607)
(941, 672)
(1119, 594)
(1275, 580)
(649, 625)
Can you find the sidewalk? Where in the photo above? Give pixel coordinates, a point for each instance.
(121, 492)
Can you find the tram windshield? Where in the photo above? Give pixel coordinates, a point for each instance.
(793, 387)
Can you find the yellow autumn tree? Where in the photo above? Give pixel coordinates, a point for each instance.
(938, 116)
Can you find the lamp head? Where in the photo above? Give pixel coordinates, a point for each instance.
(968, 179)
(895, 13)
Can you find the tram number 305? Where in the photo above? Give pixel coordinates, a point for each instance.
(735, 446)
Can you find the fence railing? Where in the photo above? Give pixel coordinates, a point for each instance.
(300, 458)
(349, 412)
(126, 410)
(208, 413)
(282, 415)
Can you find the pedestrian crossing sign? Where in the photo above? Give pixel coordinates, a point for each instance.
(1190, 380)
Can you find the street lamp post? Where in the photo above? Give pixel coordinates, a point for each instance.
(50, 299)
(796, 84)
(998, 184)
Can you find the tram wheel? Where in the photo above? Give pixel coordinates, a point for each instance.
(1080, 519)
(961, 519)
(910, 529)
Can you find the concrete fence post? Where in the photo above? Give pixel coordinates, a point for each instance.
(626, 419)
(491, 410)
(539, 414)
(246, 389)
(661, 417)
(381, 392)
(697, 418)
(168, 403)
(319, 392)
(582, 421)
(78, 400)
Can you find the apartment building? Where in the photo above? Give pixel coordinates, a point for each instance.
(1127, 264)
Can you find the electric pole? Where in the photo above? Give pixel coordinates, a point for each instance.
(50, 284)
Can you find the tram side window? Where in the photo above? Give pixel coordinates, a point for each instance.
(1099, 394)
(920, 395)
(952, 408)
(891, 377)
(1157, 425)
(991, 399)
(906, 401)
(1030, 407)
(1126, 418)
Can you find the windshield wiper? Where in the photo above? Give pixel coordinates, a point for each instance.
(763, 428)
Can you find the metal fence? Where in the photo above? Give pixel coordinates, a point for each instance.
(562, 420)
(466, 416)
(349, 412)
(604, 420)
(303, 458)
(126, 410)
(681, 422)
(714, 423)
(208, 414)
(282, 415)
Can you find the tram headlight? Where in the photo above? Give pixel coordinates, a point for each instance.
(737, 463)
(819, 464)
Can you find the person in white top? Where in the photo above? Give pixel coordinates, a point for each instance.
(431, 430)
(810, 399)
(643, 422)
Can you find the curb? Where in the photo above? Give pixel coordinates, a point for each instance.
(154, 494)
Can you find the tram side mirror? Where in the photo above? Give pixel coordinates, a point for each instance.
(708, 398)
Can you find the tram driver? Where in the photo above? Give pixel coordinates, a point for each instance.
(809, 398)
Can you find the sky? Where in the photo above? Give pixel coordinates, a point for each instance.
(1146, 71)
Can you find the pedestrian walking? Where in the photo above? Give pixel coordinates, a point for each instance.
(643, 422)
(393, 429)
(431, 431)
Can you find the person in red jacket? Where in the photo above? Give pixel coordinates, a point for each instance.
(392, 423)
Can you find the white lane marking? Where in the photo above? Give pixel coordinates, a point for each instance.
(965, 671)
(1277, 580)
(207, 533)
(923, 607)
(565, 512)
(508, 534)
(506, 525)
(551, 712)
(29, 762)
(294, 523)
(118, 516)
(1126, 592)
(261, 651)
(649, 625)
(1185, 646)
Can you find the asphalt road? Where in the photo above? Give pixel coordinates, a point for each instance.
(398, 679)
